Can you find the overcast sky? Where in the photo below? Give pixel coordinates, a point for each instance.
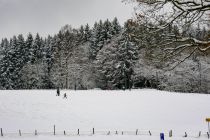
(48, 16)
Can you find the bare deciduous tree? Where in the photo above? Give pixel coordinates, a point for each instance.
(176, 12)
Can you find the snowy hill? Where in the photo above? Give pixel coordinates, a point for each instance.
(106, 111)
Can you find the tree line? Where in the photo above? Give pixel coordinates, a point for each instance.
(105, 56)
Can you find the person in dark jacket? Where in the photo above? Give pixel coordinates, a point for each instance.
(65, 95)
(58, 92)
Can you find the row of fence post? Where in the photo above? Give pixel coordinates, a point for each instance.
(116, 132)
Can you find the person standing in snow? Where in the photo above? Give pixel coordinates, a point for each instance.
(58, 92)
(65, 96)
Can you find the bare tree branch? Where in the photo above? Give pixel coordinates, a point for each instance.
(178, 12)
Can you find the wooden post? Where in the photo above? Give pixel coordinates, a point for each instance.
(150, 133)
(137, 131)
(64, 132)
(170, 133)
(93, 131)
(208, 120)
(78, 132)
(208, 127)
(35, 132)
(199, 134)
(2, 132)
(19, 132)
(122, 132)
(54, 129)
(208, 134)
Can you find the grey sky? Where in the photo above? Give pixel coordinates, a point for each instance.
(48, 16)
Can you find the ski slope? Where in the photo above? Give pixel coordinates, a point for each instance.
(126, 111)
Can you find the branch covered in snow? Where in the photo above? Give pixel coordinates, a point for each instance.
(163, 14)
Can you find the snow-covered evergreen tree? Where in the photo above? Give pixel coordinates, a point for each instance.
(7, 66)
(116, 28)
(3, 47)
(87, 34)
(102, 34)
(48, 60)
(28, 46)
(36, 49)
(115, 63)
(96, 40)
(106, 33)
(81, 33)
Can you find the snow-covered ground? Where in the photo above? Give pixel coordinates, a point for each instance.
(106, 111)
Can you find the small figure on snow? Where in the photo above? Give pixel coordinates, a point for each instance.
(65, 95)
(185, 134)
(58, 92)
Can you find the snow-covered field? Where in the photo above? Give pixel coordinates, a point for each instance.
(106, 111)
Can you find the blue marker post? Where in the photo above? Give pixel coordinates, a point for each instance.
(161, 136)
